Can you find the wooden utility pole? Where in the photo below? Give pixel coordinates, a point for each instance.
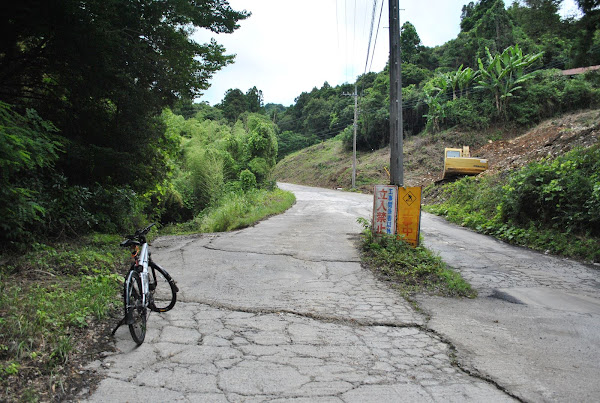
(396, 157)
(354, 139)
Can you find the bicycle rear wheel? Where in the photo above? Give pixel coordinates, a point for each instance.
(163, 289)
(135, 312)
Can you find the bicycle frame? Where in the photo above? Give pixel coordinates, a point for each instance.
(142, 260)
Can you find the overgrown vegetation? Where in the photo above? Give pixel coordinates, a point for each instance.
(220, 169)
(236, 210)
(83, 84)
(47, 300)
(87, 145)
(552, 205)
(99, 132)
(411, 270)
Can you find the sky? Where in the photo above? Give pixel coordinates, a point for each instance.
(287, 47)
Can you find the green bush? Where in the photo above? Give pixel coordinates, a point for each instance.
(248, 180)
(262, 141)
(562, 194)
(550, 93)
(28, 150)
(205, 173)
(548, 205)
(469, 113)
(260, 168)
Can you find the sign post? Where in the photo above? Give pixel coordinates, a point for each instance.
(384, 209)
(409, 214)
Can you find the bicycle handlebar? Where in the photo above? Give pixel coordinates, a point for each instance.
(139, 235)
(145, 230)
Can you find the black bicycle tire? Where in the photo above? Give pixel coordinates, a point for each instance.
(134, 309)
(156, 282)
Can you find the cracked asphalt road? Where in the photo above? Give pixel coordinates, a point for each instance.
(535, 327)
(283, 311)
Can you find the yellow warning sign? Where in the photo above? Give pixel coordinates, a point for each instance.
(409, 214)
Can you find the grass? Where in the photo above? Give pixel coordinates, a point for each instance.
(237, 210)
(46, 298)
(476, 203)
(411, 270)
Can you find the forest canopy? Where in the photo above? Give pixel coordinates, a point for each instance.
(99, 73)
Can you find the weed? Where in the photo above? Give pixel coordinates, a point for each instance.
(10, 368)
(237, 210)
(410, 269)
(45, 297)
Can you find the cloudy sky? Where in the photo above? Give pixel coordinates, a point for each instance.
(290, 46)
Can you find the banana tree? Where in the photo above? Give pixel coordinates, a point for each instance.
(465, 79)
(436, 100)
(504, 74)
(460, 80)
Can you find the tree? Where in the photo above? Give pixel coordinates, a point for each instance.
(504, 74)
(317, 118)
(254, 100)
(436, 98)
(234, 104)
(102, 71)
(587, 52)
(484, 24)
(261, 146)
(27, 146)
(409, 43)
(588, 6)
(537, 17)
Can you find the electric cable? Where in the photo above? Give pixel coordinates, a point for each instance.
(371, 33)
(376, 34)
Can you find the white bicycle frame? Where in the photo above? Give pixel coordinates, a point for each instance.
(143, 261)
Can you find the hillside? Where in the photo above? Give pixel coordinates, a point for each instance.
(329, 165)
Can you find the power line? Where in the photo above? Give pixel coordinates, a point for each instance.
(376, 35)
(371, 33)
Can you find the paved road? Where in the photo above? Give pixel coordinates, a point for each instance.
(535, 327)
(283, 311)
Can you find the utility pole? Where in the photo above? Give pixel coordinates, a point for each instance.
(396, 157)
(354, 139)
(355, 95)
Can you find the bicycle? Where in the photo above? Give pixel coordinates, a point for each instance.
(142, 290)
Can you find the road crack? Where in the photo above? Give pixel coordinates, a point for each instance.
(308, 315)
(284, 254)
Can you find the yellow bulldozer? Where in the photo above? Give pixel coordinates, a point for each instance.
(458, 161)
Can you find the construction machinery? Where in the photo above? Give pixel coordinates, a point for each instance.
(458, 161)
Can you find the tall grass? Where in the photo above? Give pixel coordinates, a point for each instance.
(236, 210)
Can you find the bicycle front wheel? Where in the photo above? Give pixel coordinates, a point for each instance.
(163, 289)
(135, 311)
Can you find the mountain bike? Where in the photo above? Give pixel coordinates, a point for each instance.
(148, 287)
